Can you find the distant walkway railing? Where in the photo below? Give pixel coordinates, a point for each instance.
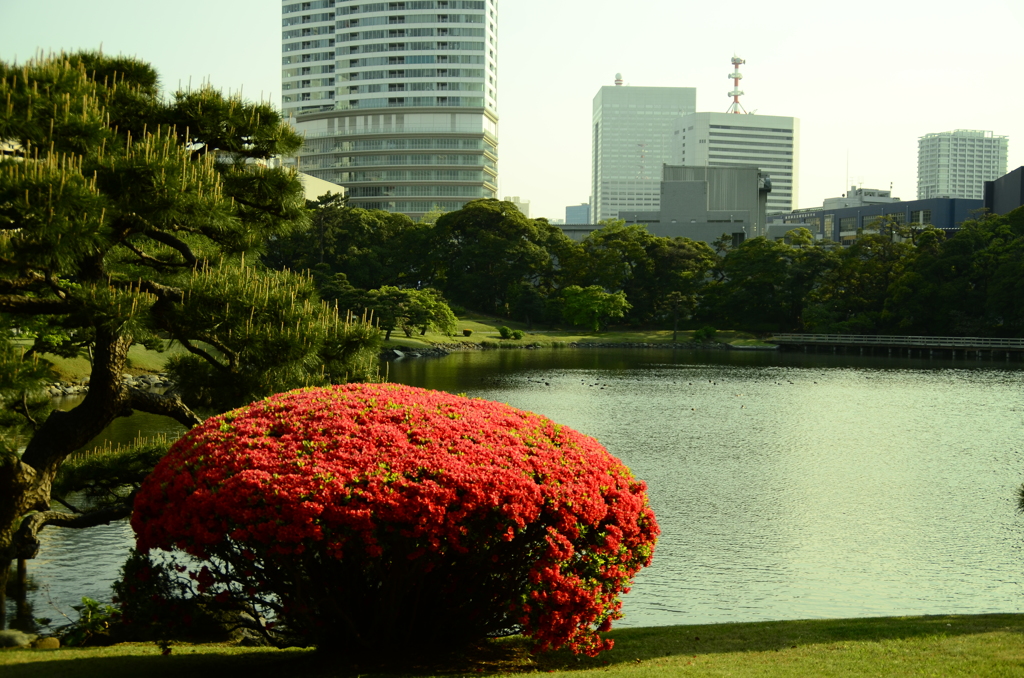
(967, 343)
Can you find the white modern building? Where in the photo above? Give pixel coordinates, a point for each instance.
(631, 140)
(769, 142)
(398, 101)
(957, 164)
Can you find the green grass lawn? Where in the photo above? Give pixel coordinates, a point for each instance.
(956, 645)
(485, 329)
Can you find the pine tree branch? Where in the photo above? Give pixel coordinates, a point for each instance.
(195, 350)
(262, 208)
(26, 539)
(161, 292)
(149, 260)
(31, 280)
(16, 303)
(22, 409)
(60, 500)
(220, 346)
(174, 243)
(163, 404)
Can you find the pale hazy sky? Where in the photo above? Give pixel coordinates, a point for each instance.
(865, 78)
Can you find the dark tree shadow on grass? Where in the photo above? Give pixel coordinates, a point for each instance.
(511, 655)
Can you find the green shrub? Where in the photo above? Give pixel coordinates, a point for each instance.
(94, 621)
(705, 334)
(467, 333)
(517, 334)
(505, 332)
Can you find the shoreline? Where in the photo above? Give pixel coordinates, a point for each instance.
(440, 350)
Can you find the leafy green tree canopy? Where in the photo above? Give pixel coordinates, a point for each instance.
(588, 306)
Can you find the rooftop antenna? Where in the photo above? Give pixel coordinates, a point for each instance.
(736, 92)
(618, 79)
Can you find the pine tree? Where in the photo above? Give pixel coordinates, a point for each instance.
(127, 218)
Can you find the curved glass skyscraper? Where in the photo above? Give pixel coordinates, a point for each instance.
(398, 100)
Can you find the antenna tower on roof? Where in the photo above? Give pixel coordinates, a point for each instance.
(736, 93)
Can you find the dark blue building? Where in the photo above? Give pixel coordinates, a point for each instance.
(841, 224)
(1006, 193)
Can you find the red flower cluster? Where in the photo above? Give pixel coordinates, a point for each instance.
(348, 500)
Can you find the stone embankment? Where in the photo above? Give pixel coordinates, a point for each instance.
(438, 351)
(61, 389)
(711, 345)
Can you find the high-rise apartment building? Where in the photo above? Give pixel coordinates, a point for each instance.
(768, 142)
(957, 164)
(398, 100)
(632, 132)
(308, 76)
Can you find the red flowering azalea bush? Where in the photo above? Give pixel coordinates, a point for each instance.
(374, 516)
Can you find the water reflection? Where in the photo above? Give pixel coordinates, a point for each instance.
(786, 485)
(792, 486)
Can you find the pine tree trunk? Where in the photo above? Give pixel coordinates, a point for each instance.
(5, 570)
(25, 483)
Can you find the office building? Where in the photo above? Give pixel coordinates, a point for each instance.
(577, 214)
(735, 138)
(398, 101)
(957, 164)
(705, 203)
(631, 134)
(770, 143)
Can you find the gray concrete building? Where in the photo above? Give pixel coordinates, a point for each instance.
(705, 203)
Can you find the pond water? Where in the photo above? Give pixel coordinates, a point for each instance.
(786, 485)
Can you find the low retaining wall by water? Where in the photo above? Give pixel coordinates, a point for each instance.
(60, 389)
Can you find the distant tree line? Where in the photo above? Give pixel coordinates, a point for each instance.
(488, 257)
